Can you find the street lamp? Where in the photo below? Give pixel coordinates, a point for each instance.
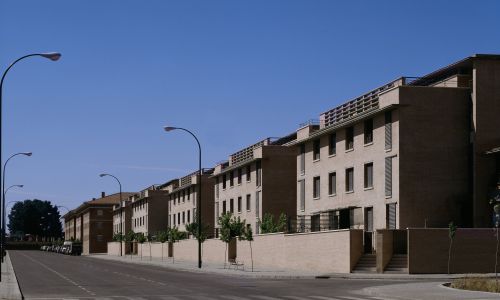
(4, 194)
(54, 56)
(121, 208)
(2, 239)
(168, 129)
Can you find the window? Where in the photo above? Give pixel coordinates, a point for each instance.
(369, 131)
(239, 175)
(99, 212)
(388, 130)
(369, 175)
(189, 193)
(258, 173)
(189, 216)
(216, 209)
(183, 217)
(249, 173)
(316, 149)
(349, 180)
(224, 207)
(100, 238)
(249, 207)
(183, 196)
(302, 194)
(224, 181)
(239, 204)
(257, 204)
(332, 183)
(231, 205)
(349, 138)
(302, 159)
(390, 215)
(231, 178)
(388, 176)
(179, 218)
(217, 187)
(316, 187)
(332, 144)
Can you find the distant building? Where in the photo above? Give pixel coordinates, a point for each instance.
(182, 200)
(257, 180)
(92, 223)
(149, 210)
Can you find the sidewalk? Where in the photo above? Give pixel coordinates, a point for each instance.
(211, 268)
(9, 289)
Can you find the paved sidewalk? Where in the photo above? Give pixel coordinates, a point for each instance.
(9, 289)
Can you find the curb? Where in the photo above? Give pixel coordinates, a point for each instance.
(13, 286)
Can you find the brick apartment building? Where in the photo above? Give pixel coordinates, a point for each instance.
(182, 200)
(257, 180)
(149, 211)
(122, 216)
(415, 152)
(92, 223)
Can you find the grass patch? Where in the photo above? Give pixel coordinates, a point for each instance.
(476, 284)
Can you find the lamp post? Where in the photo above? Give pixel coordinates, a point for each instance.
(121, 208)
(4, 194)
(2, 240)
(54, 56)
(167, 129)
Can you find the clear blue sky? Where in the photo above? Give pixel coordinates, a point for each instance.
(234, 72)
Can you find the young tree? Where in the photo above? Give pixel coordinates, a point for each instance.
(267, 224)
(231, 227)
(140, 238)
(174, 236)
(129, 238)
(247, 235)
(452, 229)
(117, 237)
(162, 237)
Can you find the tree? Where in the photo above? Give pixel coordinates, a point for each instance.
(162, 237)
(452, 229)
(247, 235)
(267, 224)
(140, 238)
(231, 227)
(129, 238)
(174, 236)
(117, 237)
(36, 217)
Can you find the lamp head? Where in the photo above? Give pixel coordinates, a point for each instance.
(27, 153)
(54, 56)
(169, 128)
(103, 174)
(19, 185)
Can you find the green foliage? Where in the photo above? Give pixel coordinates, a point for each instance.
(452, 229)
(175, 235)
(129, 237)
(231, 227)
(140, 238)
(192, 229)
(267, 224)
(35, 217)
(162, 236)
(117, 237)
(247, 234)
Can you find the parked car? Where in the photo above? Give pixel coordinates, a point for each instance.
(72, 248)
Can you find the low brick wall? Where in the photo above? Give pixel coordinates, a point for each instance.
(186, 250)
(473, 251)
(113, 248)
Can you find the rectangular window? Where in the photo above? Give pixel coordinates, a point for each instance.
(302, 159)
(302, 194)
(316, 149)
(217, 187)
(390, 216)
(258, 172)
(332, 183)
(217, 209)
(388, 176)
(189, 216)
(179, 218)
(257, 204)
(368, 175)
(349, 138)
(189, 193)
(239, 204)
(231, 178)
(183, 217)
(249, 173)
(224, 207)
(388, 130)
(249, 203)
(349, 180)
(332, 144)
(316, 187)
(239, 175)
(369, 131)
(231, 205)
(224, 181)
(100, 238)
(183, 196)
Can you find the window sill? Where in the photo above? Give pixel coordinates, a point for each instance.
(388, 197)
(316, 198)
(368, 144)
(349, 150)
(316, 160)
(349, 192)
(388, 150)
(368, 188)
(332, 155)
(248, 210)
(332, 195)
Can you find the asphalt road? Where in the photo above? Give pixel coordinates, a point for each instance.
(45, 275)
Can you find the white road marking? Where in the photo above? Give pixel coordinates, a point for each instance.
(264, 297)
(324, 298)
(231, 297)
(59, 274)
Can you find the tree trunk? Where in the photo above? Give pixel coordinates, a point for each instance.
(225, 256)
(162, 251)
(251, 253)
(141, 251)
(496, 264)
(150, 255)
(449, 255)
